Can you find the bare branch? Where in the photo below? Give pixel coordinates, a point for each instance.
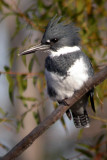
(55, 115)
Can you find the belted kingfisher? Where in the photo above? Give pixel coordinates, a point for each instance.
(67, 68)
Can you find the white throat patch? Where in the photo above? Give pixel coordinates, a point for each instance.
(64, 50)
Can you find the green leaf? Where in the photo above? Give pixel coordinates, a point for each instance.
(5, 4)
(7, 68)
(84, 145)
(4, 147)
(55, 105)
(12, 55)
(36, 59)
(31, 63)
(100, 139)
(80, 6)
(11, 83)
(22, 86)
(105, 53)
(4, 120)
(63, 122)
(25, 40)
(40, 86)
(80, 133)
(33, 59)
(36, 117)
(11, 87)
(19, 26)
(84, 152)
(35, 80)
(22, 83)
(104, 126)
(19, 125)
(2, 111)
(24, 60)
(33, 99)
(5, 16)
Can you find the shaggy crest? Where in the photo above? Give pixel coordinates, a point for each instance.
(56, 29)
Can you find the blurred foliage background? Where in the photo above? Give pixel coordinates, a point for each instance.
(91, 17)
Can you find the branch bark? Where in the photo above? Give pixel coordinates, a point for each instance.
(54, 116)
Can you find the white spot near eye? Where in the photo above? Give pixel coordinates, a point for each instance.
(48, 41)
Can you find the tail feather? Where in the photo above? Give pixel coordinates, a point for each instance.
(92, 99)
(81, 121)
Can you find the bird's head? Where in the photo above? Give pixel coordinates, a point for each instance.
(56, 36)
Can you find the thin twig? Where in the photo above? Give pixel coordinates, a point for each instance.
(21, 73)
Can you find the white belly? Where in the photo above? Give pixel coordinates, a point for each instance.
(65, 87)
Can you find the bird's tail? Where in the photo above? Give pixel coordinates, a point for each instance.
(81, 121)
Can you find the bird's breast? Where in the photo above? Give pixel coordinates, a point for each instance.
(63, 85)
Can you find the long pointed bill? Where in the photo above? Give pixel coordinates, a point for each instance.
(40, 47)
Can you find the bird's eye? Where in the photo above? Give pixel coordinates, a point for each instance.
(54, 40)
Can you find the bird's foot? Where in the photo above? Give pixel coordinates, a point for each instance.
(63, 102)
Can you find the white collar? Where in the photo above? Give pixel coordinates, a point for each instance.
(64, 50)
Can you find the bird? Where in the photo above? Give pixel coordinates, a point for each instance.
(67, 68)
